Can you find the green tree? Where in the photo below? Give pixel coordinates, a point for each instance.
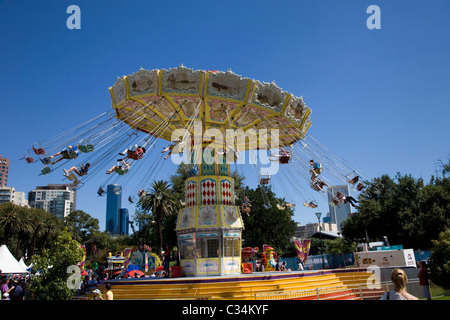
(264, 225)
(405, 210)
(160, 201)
(51, 282)
(440, 260)
(81, 224)
(50, 230)
(178, 181)
(144, 223)
(13, 219)
(16, 225)
(39, 219)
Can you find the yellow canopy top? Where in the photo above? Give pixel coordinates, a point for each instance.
(209, 104)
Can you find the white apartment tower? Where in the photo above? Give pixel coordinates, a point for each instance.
(57, 199)
(9, 194)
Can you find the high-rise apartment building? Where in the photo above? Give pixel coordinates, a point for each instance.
(9, 194)
(4, 171)
(57, 199)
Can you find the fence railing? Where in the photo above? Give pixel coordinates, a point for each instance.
(326, 293)
(348, 292)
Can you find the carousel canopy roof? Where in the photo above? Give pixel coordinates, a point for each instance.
(162, 101)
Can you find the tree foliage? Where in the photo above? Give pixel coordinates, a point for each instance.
(51, 265)
(405, 210)
(270, 226)
(440, 260)
(160, 201)
(26, 230)
(81, 225)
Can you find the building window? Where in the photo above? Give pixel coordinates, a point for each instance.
(187, 249)
(208, 248)
(231, 247)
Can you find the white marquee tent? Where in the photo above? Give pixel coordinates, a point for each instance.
(9, 264)
(22, 263)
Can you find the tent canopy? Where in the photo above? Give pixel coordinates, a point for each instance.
(22, 263)
(9, 264)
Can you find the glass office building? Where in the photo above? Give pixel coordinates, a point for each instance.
(117, 218)
(113, 205)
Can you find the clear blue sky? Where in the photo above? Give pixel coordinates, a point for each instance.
(379, 98)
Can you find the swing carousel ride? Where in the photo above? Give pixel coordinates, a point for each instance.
(213, 119)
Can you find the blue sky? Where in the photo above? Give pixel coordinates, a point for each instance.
(379, 98)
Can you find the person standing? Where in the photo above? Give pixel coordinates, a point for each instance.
(5, 287)
(424, 280)
(399, 280)
(109, 294)
(166, 261)
(19, 292)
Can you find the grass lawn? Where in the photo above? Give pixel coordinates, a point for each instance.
(438, 293)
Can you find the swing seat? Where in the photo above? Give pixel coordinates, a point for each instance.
(39, 150)
(334, 202)
(264, 180)
(71, 177)
(267, 206)
(353, 180)
(359, 187)
(29, 159)
(245, 208)
(310, 204)
(318, 171)
(285, 159)
(290, 205)
(85, 148)
(46, 160)
(339, 196)
(120, 171)
(46, 170)
(135, 155)
(69, 154)
(101, 192)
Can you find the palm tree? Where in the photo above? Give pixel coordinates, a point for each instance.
(39, 219)
(24, 229)
(50, 229)
(160, 201)
(12, 220)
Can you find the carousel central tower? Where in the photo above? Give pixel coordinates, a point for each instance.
(209, 228)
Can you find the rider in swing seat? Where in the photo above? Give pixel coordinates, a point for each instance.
(120, 168)
(316, 169)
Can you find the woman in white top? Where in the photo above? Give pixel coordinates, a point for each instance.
(399, 279)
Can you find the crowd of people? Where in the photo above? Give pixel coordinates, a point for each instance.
(279, 266)
(14, 288)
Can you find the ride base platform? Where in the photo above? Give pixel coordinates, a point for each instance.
(254, 286)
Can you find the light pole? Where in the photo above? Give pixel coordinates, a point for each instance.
(318, 214)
